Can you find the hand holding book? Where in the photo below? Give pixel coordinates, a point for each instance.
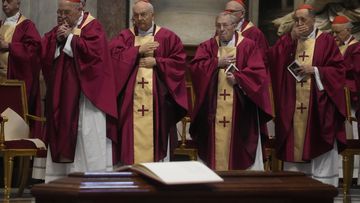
(300, 71)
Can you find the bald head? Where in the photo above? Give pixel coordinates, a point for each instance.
(143, 5)
(11, 7)
(143, 15)
(236, 9)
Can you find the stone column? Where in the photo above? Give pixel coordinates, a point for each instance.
(254, 11)
(284, 4)
(113, 14)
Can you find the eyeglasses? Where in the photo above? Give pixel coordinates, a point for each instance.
(301, 19)
(226, 26)
(142, 15)
(63, 12)
(337, 32)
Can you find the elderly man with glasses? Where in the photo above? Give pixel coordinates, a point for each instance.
(350, 48)
(308, 77)
(80, 93)
(232, 99)
(247, 28)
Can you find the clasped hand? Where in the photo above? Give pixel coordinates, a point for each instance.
(147, 62)
(226, 61)
(63, 32)
(148, 47)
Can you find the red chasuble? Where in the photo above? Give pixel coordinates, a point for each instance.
(24, 64)
(352, 61)
(326, 111)
(169, 92)
(250, 97)
(88, 72)
(255, 34)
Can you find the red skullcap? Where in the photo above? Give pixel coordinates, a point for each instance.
(240, 2)
(340, 20)
(306, 6)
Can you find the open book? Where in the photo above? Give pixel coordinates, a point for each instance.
(175, 173)
(17, 129)
(231, 68)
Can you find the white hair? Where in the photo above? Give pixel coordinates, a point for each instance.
(224, 14)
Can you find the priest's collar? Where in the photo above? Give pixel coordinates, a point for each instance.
(239, 25)
(348, 40)
(12, 20)
(80, 19)
(150, 31)
(230, 43)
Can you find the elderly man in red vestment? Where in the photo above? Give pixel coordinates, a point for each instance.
(150, 63)
(310, 110)
(350, 48)
(81, 93)
(230, 105)
(20, 46)
(247, 28)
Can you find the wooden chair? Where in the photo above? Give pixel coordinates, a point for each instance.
(14, 97)
(353, 148)
(184, 149)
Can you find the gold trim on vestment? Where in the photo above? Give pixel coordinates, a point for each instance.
(7, 32)
(143, 109)
(304, 55)
(77, 31)
(344, 47)
(224, 112)
(248, 26)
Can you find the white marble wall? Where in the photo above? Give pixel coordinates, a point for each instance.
(43, 12)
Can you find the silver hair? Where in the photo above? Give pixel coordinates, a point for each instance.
(223, 14)
(243, 10)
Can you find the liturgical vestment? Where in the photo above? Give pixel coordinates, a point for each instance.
(151, 100)
(309, 122)
(22, 61)
(226, 118)
(351, 52)
(81, 92)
